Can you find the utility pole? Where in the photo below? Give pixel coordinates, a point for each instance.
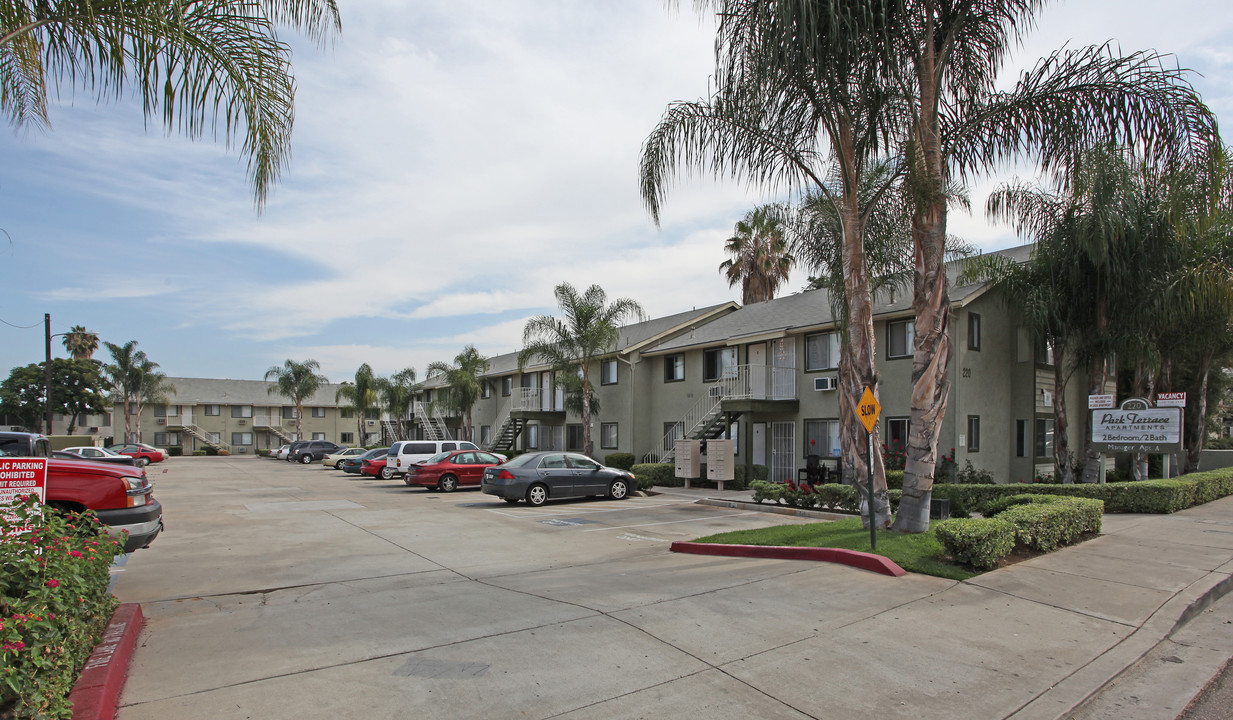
(47, 370)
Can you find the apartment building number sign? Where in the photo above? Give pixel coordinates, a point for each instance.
(1137, 427)
(869, 408)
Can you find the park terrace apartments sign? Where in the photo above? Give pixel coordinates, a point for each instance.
(1137, 428)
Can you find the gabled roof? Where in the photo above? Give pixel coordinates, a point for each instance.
(811, 310)
(212, 391)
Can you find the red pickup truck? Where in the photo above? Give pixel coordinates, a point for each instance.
(121, 496)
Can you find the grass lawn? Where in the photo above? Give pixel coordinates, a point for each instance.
(918, 553)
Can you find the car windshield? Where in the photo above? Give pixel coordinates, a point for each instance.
(439, 457)
(375, 453)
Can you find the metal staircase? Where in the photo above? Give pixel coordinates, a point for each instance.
(704, 420)
(433, 423)
(204, 437)
(507, 432)
(389, 432)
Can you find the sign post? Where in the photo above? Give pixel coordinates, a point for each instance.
(868, 409)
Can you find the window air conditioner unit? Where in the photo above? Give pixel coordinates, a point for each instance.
(160, 421)
(242, 422)
(825, 383)
(93, 430)
(371, 423)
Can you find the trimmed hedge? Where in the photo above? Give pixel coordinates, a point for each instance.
(979, 543)
(833, 497)
(175, 451)
(622, 461)
(1046, 522)
(664, 475)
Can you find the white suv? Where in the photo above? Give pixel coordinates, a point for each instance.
(405, 452)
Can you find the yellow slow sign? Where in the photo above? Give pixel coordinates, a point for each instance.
(869, 409)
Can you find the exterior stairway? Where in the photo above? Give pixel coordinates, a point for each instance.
(433, 423)
(204, 437)
(506, 434)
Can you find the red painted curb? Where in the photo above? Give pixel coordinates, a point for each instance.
(97, 691)
(854, 558)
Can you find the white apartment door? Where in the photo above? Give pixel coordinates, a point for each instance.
(759, 443)
(757, 371)
(545, 391)
(783, 451)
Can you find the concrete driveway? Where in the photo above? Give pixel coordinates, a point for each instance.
(283, 591)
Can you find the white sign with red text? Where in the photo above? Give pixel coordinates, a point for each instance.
(1173, 399)
(20, 477)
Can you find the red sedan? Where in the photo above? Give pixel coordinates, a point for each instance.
(374, 466)
(140, 451)
(446, 471)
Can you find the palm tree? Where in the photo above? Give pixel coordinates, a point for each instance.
(760, 261)
(399, 392)
(590, 330)
(80, 343)
(134, 380)
(200, 65)
(152, 388)
(361, 397)
(296, 381)
(465, 381)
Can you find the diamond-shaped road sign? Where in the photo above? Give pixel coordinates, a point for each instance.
(869, 409)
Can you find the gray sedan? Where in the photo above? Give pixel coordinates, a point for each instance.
(536, 477)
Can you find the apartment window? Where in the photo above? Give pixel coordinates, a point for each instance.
(288, 412)
(897, 434)
(673, 431)
(718, 363)
(212, 410)
(899, 337)
(1044, 437)
(241, 411)
(160, 439)
(241, 438)
(608, 372)
(1044, 352)
(318, 412)
(973, 433)
(674, 368)
(485, 435)
(608, 436)
(372, 414)
(822, 437)
(533, 437)
(1021, 438)
(821, 351)
(485, 390)
(318, 436)
(973, 331)
(166, 410)
(573, 437)
(507, 386)
(215, 437)
(346, 438)
(348, 413)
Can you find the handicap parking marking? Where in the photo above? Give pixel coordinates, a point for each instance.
(671, 522)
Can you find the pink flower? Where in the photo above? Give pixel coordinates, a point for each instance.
(74, 553)
(53, 583)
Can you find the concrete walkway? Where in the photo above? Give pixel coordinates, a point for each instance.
(281, 592)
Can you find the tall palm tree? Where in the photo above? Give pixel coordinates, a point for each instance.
(465, 381)
(80, 343)
(202, 66)
(589, 330)
(399, 391)
(760, 261)
(296, 381)
(122, 380)
(152, 388)
(361, 397)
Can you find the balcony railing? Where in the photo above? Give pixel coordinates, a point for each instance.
(755, 382)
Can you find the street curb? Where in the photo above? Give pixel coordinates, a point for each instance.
(775, 509)
(853, 558)
(97, 691)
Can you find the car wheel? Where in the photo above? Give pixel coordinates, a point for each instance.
(618, 490)
(142, 462)
(537, 494)
(511, 501)
(386, 473)
(306, 458)
(449, 483)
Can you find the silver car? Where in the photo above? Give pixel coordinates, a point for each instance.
(539, 476)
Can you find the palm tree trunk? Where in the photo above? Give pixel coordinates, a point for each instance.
(1197, 422)
(299, 418)
(586, 412)
(1063, 465)
(1092, 458)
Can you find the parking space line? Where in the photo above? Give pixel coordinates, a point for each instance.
(524, 513)
(669, 522)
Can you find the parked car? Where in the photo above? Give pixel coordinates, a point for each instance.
(375, 466)
(121, 496)
(140, 451)
(312, 450)
(536, 477)
(89, 452)
(405, 452)
(281, 452)
(331, 460)
(448, 470)
(352, 464)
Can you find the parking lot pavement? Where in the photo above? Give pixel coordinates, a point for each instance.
(280, 591)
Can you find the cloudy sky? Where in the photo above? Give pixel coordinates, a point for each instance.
(453, 160)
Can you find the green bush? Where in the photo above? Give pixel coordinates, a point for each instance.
(1046, 522)
(894, 479)
(978, 543)
(623, 461)
(54, 605)
(652, 474)
(210, 450)
(175, 451)
(199, 453)
(1224, 443)
(970, 475)
(832, 497)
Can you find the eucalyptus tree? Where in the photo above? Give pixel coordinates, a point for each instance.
(398, 391)
(80, 343)
(361, 397)
(589, 330)
(465, 380)
(201, 66)
(760, 262)
(296, 381)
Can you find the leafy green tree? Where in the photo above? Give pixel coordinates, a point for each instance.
(589, 330)
(134, 381)
(215, 65)
(398, 391)
(77, 389)
(361, 396)
(760, 261)
(80, 343)
(21, 396)
(296, 381)
(465, 380)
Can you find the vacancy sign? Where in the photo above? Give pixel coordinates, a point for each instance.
(1173, 399)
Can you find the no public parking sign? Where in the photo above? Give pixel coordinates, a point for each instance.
(22, 476)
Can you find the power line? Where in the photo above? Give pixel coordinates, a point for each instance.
(21, 327)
